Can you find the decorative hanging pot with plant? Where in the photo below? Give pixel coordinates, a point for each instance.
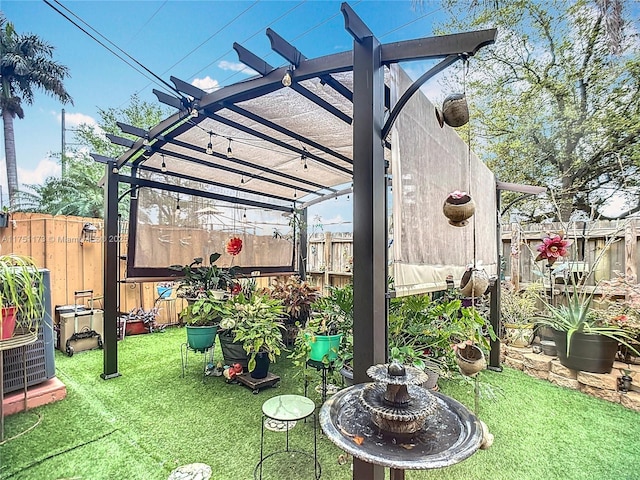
(455, 111)
(458, 208)
(474, 282)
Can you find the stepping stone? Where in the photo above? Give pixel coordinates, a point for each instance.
(193, 471)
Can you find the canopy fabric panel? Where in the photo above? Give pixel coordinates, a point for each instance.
(429, 162)
(173, 229)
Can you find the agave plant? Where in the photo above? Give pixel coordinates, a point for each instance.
(578, 316)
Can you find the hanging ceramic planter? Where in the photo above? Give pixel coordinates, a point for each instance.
(455, 111)
(470, 359)
(474, 282)
(458, 208)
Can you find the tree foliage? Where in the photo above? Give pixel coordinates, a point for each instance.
(25, 65)
(555, 101)
(79, 192)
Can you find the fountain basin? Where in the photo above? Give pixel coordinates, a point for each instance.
(449, 435)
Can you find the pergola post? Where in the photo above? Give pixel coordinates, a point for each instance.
(111, 280)
(370, 222)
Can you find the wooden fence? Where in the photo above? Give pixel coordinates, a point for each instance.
(76, 262)
(57, 243)
(605, 248)
(600, 250)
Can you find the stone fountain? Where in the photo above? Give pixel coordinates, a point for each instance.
(396, 423)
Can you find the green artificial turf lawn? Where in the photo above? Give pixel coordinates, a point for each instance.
(147, 422)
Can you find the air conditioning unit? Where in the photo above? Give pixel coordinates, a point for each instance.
(40, 358)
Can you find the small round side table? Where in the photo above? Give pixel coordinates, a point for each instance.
(288, 408)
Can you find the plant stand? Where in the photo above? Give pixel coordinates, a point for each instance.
(258, 383)
(206, 354)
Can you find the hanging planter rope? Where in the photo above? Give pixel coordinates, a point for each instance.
(458, 208)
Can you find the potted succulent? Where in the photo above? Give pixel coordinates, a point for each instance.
(21, 296)
(584, 342)
(259, 328)
(202, 318)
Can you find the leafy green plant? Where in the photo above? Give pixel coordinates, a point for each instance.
(21, 287)
(258, 325)
(332, 314)
(208, 309)
(198, 278)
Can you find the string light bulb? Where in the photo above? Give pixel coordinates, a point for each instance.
(242, 179)
(163, 167)
(210, 145)
(288, 77)
(178, 202)
(229, 151)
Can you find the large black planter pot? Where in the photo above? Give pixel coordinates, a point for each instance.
(588, 352)
(233, 352)
(262, 365)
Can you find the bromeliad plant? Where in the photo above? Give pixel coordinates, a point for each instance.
(258, 325)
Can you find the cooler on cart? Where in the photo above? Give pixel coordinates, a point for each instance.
(79, 327)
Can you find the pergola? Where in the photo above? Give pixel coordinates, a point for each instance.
(304, 130)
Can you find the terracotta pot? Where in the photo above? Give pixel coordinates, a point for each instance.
(8, 324)
(458, 211)
(470, 360)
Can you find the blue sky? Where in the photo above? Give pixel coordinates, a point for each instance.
(191, 40)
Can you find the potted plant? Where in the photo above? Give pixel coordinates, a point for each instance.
(199, 278)
(517, 313)
(141, 321)
(296, 296)
(164, 289)
(21, 296)
(259, 328)
(584, 342)
(202, 318)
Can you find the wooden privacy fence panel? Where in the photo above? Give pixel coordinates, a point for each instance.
(330, 259)
(55, 244)
(605, 248)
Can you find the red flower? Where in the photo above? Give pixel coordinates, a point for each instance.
(552, 248)
(234, 246)
(236, 288)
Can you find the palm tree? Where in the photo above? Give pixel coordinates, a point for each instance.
(25, 63)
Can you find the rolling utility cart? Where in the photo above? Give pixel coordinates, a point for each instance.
(80, 328)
